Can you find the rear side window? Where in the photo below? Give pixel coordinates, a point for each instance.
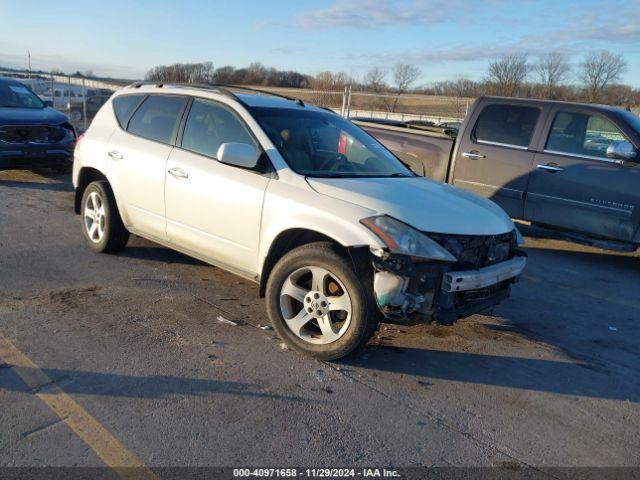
(510, 125)
(579, 133)
(157, 118)
(209, 125)
(123, 106)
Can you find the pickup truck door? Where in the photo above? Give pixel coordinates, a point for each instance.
(575, 186)
(214, 210)
(493, 157)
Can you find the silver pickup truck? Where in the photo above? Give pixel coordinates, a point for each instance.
(573, 169)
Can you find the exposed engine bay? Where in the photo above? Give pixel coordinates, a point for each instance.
(412, 290)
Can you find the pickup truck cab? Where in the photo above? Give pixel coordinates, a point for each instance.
(568, 166)
(337, 233)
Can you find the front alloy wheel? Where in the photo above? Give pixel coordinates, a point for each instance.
(315, 305)
(319, 304)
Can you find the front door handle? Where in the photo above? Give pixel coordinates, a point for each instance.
(178, 172)
(115, 155)
(550, 167)
(473, 155)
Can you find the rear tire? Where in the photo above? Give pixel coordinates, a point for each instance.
(102, 226)
(318, 304)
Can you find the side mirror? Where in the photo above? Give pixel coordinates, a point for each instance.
(238, 154)
(622, 152)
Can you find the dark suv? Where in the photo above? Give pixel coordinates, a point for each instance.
(32, 134)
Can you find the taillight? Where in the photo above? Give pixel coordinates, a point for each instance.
(78, 140)
(342, 144)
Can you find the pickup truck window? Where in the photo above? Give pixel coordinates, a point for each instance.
(578, 133)
(508, 125)
(323, 144)
(157, 118)
(209, 125)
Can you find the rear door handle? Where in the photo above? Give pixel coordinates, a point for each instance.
(550, 168)
(115, 155)
(473, 155)
(178, 172)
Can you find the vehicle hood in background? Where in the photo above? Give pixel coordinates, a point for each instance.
(31, 116)
(424, 204)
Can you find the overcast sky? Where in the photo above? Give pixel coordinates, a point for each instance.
(446, 39)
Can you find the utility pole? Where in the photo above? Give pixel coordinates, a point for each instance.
(29, 59)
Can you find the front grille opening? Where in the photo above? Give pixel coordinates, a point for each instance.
(477, 251)
(32, 133)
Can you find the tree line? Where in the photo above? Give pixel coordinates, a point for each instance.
(551, 76)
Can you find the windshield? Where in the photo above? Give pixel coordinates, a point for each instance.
(319, 144)
(18, 96)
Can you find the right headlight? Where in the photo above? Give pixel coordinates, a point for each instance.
(402, 239)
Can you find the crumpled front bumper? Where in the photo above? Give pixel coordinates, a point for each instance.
(483, 277)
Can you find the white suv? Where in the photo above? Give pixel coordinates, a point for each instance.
(336, 231)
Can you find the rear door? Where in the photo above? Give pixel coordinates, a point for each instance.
(137, 158)
(494, 157)
(575, 186)
(214, 209)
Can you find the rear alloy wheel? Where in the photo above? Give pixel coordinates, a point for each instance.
(102, 226)
(318, 304)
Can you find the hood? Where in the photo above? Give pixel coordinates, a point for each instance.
(31, 116)
(425, 204)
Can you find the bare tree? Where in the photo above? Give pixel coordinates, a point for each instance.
(600, 69)
(507, 73)
(375, 80)
(552, 70)
(183, 72)
(404, 75)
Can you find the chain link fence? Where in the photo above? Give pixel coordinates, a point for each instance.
(80, 98)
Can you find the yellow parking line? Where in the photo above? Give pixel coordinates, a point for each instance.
(110, 450)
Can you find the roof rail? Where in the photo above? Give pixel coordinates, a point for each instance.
(222, 88)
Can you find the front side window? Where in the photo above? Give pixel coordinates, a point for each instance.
(511, 125)
(157, 118)
(18, 96)
(579, 133)
(123, 106)
(209, 125)
(322, 144)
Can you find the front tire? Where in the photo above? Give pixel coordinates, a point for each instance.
(102, 226)
(318, 304)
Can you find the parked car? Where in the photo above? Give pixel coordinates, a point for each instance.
(337, 233)
(32, 134)
(569, 167)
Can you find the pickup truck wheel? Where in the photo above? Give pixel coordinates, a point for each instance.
(102, 226)
(318, 304)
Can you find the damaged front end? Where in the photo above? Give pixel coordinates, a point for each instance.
(422, 277)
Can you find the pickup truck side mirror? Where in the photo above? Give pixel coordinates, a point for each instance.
(622, 152)
(238, 154)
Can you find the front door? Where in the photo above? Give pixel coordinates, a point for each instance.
(493, 158)
(576, 187)
(213, 209)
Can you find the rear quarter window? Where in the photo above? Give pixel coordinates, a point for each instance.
(124, 105)
(157, 118)
(510, 125)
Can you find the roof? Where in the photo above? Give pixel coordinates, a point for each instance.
(9, 80)
(254, 97)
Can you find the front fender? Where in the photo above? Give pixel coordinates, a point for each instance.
(289, 207)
